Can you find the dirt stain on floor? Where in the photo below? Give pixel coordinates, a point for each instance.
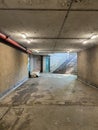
(22, 96)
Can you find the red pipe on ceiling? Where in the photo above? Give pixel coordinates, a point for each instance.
(4, 37)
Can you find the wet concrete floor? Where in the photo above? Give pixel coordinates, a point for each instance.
(50, 102)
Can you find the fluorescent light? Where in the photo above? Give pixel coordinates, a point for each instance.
(36, 50)
(68, 51)
(94, 36)
(85, 42)
(23, 35)
(28, 42)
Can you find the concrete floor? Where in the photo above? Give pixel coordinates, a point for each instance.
(51, 102)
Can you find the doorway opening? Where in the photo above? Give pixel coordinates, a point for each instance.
(63, 63)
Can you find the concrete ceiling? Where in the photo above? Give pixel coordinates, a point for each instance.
(50, 25)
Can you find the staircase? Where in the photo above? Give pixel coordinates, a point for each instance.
(69, 66)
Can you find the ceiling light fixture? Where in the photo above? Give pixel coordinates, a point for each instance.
(28, 42)
(94, 36)
(23, 35)
(68, 51)
(36, 50)
(84, 42)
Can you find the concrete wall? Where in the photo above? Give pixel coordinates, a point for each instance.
(35, 63)
(13, 67)
(44, 64)
(88, 66)
(31, 60)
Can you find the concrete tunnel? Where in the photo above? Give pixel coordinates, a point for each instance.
(49, 65)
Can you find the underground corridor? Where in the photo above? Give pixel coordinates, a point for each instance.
(48, 65)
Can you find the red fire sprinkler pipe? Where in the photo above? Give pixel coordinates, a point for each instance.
(4, 37)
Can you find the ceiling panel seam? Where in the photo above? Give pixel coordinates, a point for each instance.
(54, 38)
(64, 21)
(26, 9)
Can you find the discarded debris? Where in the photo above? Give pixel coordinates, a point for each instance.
(35, 74)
